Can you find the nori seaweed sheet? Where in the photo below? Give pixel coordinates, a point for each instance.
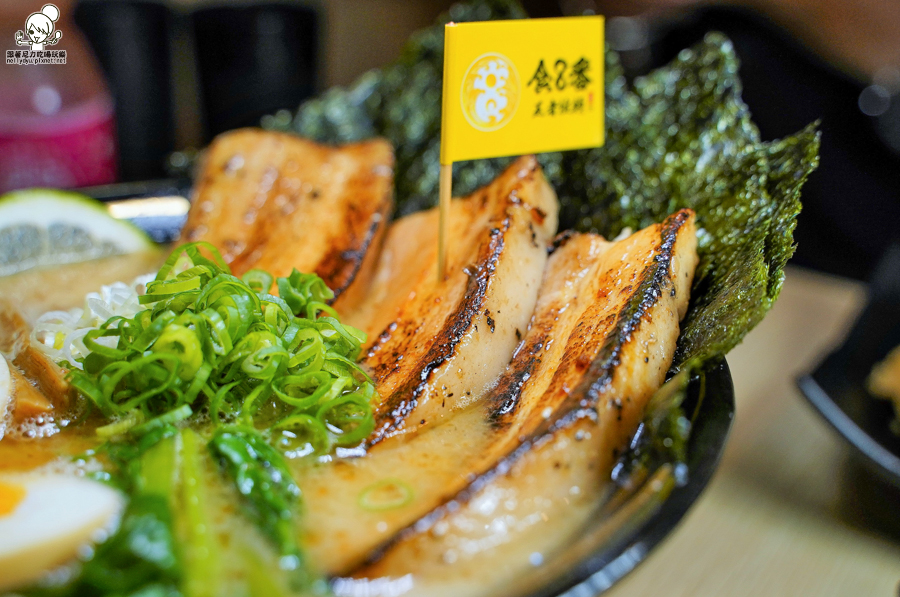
(678, 137)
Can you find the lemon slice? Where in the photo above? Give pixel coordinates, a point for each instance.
(40, 227)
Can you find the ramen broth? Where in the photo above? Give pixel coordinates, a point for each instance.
(247, 561)
(352, 507)
(47, 445)
(37, 442)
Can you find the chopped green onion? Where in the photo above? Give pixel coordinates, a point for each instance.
(348, 417)
(184, 343)
(301, 435)
(385, 495)
(121, 426)
(206, 337)
(170, 418)
(258, 280)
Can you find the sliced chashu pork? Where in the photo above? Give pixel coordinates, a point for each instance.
(437, 345)
(562, 417)
(38, 385)
(572, 317)
(276, 202)
(436, 464)
(449, 342)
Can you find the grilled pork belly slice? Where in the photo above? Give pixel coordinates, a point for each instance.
(277, 202)
(433, 466)
(440, 344)
(38, 383)
(541, 493)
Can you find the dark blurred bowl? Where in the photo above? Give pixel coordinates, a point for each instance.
(131, 41)
(837, 387)
(254, 59)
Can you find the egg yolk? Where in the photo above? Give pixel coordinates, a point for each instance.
(10, 497)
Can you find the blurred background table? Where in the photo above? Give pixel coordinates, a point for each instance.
(781, 515)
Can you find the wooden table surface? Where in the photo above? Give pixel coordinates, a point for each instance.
(774, 521)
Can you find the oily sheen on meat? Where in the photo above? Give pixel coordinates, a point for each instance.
(278, 202)
(565, 421)
(439, 356)
(438, 345)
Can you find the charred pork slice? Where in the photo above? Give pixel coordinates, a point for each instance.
(443, 343)
(431, 468)
(39, 384)
(561, 417)
(277, 202)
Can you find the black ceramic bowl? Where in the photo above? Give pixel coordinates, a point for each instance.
(837, 387)
(637, 516)
(636, 519)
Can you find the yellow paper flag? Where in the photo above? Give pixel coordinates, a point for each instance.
(524, 86)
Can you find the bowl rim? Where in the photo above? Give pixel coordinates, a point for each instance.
(711, 424)
(836, 388)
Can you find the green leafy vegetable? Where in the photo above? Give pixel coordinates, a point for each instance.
(202, 566)
(142, 558)
(157, 473)
(265, 485)
(139, 560)
(260, 580)
(141, 553)
(141, 465)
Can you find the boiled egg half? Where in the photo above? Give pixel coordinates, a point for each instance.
(46, 519)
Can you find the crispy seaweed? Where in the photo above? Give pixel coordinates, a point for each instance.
(682, 137)
(678, 137)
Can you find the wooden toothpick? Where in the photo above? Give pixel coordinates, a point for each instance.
(446, 183)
